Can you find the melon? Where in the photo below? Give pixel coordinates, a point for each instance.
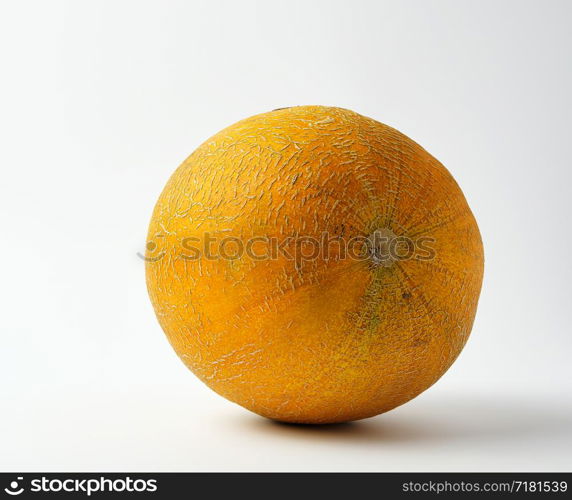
(314, 265)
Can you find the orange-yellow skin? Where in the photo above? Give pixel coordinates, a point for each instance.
(325, 340)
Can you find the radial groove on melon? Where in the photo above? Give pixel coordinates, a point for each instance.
(301, 336)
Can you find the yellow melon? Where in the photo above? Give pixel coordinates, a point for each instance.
(314, 265)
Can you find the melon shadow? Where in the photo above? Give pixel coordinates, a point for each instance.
(456, 420)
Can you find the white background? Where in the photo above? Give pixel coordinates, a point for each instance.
(100, 102)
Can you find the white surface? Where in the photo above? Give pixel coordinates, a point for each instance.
(102, 100)
(158, 429)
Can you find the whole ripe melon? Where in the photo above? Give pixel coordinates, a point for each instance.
(314, 265)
